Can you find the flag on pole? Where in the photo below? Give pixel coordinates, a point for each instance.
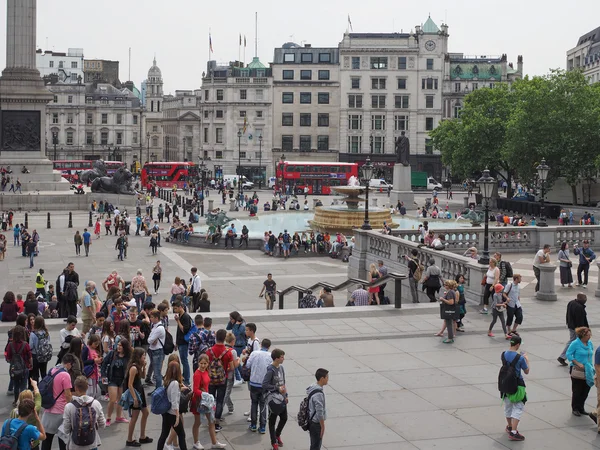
(210, 43)
(245, 124)
(350, 23)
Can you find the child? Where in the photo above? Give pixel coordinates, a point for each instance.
(512, 295)
(92, 359)
(97, 228)
(462, 302)
(498, 305)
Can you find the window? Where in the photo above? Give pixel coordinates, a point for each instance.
(324, 57)
(306, 75)
(70, 118)
(288, 74)
(355, 82)
(89, 101)
(401, 83)
(119, 138)
(428, 123)
(289, 57)
(54, 117)
(428, 147)
(378, 122)
(457, 110)
(491, 85)
(259, 94)
(155, 128)
(306, 57)
(259, 114)
(475, 86)
(323, 120)
(323, 74)
(322, 143)
(119, 119)
(134, 138)
(69, 138)
(354, 144)
(305, 120)
(155, 141)
(89, 119)
(205, 135)
(401, 123)
(456, 87)
(242, 155)
(402, 62)
(104, 119)
(89, 138)
(206, 114)
(219, 154)
(51, 64)
(55, 100)
(429, 101)
(401, 101)
(219, 136)
(305, 143)
(243, 94)
(355, 122)
(378, 144)
(287, 120)
(305, 97)
(135, 120)
(287, 143)
(377, 83)
(61, 64)
(219, 113)
(377, 101)
(323, 98)
(429, 83)
(73, 64)
(219, 95)
(242, 113)
(429, 63)
(70, 99)
(189, 128)
(206, 95)
(104, 138)
(380, 62)
(354, 101)
(356, 62)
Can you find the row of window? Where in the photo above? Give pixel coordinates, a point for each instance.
(307, 58)
(381, 62)
(219, 114)
(378, 122)
(355, 145)
(305, 74)
(305, 98)
(89, 138)
(61, 64)
(89, 119)
(287, 119)
(379, 101)
(381, 83)
(219, 136)
(305, 143)
(458, 87)
(243, 94)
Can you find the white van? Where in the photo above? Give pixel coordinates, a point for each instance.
(433, 184)
(379, 184)
(246, 183)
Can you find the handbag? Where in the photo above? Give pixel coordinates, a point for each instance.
(578, 373)
(483, 280)
(433, 282)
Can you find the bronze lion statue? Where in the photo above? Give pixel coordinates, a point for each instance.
(119, 183)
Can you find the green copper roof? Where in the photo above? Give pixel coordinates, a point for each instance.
(256, 64)
(430, 26)
(479, 71)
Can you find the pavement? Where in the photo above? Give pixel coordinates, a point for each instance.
(393, 384)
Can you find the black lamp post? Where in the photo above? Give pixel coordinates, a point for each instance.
(202, 168)
(147, 148)
(260, 138)
(486, 186)
(55, 142)
(542, 171)
(281, 161)
(239, 169)
(367, 174)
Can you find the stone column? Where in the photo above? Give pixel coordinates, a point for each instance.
(402, 187)
(547, 290)
(21, 34)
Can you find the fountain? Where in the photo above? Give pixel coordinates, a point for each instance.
(343, 219)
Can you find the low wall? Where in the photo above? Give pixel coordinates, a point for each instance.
(67, 201)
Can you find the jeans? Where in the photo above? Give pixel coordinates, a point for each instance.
(315, 435)
(20, 385)
(228, 389)
(238, 375)
(572, 337)
(227, 239)
(413, 289)
(585, 268)
(168, 420)
(137, 229)
(487, 294)
(274, 433)
(16, 240)
(183, 355)
(257, 407)
(536, 272)
(157, 357)
(87, 248)
(47, 443)
(39, 370)
(218, 391)
(450, 328)
(78, 249)
(139, 300)
(580, 391)
(121, 255)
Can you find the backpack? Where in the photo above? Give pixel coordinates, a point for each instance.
(17, 366)
(286, 238)
(308, 301)
(245, 372)
(84, 425)
(418, 273)
(44, 348)
(193, 330)
(160, 401)
(10, 441)
(168, 345)
(46, 388)
(508, 377)
(508, 268)
(303, 419)
(216, 371)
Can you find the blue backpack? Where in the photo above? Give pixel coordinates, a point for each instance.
(46, 388)
(193, 329)
(160, 401)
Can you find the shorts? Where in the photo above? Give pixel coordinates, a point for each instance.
(513, 410)
(286, 247)
(203, 411)
(117, 384)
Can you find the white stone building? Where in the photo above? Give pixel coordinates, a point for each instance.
(236, 100)
(181, 125)
(153, 115)
(67, 67)
(585, 56)
(306, 103)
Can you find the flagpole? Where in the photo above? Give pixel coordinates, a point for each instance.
(240, 48)
(256, 34)
(244, 49)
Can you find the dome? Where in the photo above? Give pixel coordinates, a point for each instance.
(154, 71)
(288, 45)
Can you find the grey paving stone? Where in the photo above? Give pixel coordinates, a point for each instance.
(439, 424)
(343, 431)
(336, 365)
(393, 361)
(388, 402)
(422, 378)
(448, 357)
(362, 382)
(455, 397)
(460, 443)
(490, 419)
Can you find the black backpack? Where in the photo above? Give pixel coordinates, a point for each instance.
(303, 419)
(84, 425)
(10, 441)
(17, 366)
(168, 345)
(509, 269)
(508, 377)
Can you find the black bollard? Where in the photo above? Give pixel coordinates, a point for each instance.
(90, 223)
(70, 219)
(48, 223)
(26, 221)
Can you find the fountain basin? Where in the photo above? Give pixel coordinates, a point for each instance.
(334, 219)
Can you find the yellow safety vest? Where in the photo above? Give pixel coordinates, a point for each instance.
(41, 284)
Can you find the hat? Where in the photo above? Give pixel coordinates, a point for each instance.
(498, 288)
(40, 296)
(41, 271)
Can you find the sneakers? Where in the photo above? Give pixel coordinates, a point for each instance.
(262, 430)
(219, 445)
(169, 447)
(132, 444)
(584, 286)
(483, 311)
(230, 412)
(516, 436)
(275, 447)
(252, 428)
(279, 441)
(198, 446)
(122, 420)
(248, 419)
(448, 341)
(105, 398)
(508, 337)
(107, 423)
(562, 361)
(508, 429)
(237, 383)
(490, 334)
(247, 413)
(218, 427)
(148, 383)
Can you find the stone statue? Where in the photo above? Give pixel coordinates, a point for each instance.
(353, 181)
(98, 170)
(476, 217)
(119, 183)
(217, 219)
(402, 149)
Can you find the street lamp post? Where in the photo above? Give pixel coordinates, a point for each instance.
(367, 174)
(55, 142)
(260, 138)
(202, 168)
(239, 170)
(147, 148)
(486, 186)
(281, 161)
(542, 171)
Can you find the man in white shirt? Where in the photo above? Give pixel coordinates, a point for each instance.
(156, 341)
(258, 362)
(195, 287)
(541, 257)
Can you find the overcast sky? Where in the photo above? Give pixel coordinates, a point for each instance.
(177, 30)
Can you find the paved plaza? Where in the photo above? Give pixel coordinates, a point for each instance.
(392, 383)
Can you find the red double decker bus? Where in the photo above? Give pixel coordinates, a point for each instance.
(71, 168)
(167, 174)
(317, 176)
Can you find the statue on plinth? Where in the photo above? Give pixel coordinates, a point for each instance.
(119, 183)
(402, 149)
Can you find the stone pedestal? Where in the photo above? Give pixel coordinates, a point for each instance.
(211, 205)
(547, 290)
(402, 187)
(232, 205)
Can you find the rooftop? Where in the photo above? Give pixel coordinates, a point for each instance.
(593, 37)
(430, 27)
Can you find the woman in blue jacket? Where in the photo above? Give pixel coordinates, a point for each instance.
(237, 325)
(580, 354)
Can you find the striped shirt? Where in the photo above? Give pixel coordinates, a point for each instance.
(360, 297)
